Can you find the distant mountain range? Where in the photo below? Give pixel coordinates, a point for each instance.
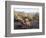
(32, 13)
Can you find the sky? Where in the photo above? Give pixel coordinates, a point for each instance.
(27, 10)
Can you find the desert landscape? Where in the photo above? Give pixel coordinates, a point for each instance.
(24, 20)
